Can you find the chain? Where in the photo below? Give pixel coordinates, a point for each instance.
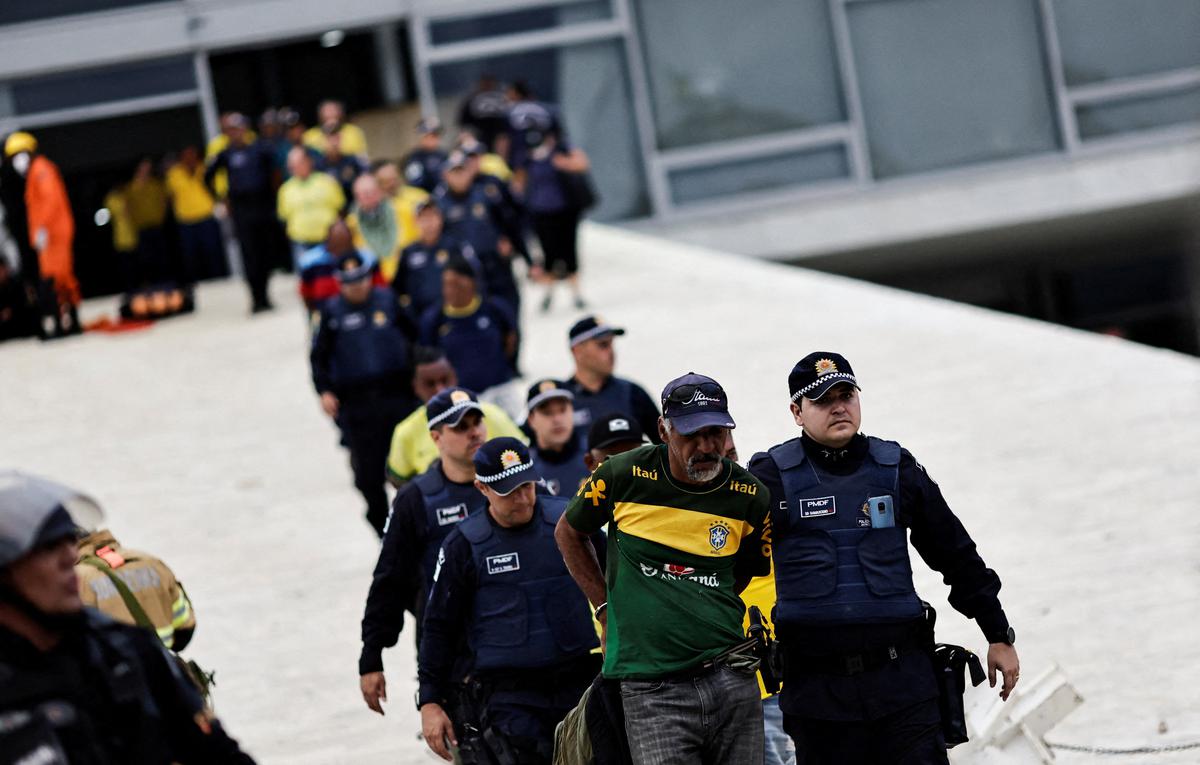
(1133, 750)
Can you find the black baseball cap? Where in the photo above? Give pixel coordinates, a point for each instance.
(693, 401)
(546, 389)
(613, 429)
(504, 464)
(353, 266)
(590, 327)
(816, 373)
(449, 406)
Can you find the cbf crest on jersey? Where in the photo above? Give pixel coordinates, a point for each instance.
(718, 536)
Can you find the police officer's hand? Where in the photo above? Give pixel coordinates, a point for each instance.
(329, 403)
(437, 729)
(374, 690)
(1003, 657)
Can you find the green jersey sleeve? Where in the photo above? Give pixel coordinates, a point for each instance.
(592, 506)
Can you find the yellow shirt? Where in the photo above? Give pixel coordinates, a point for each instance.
(147, 203)
(189, 196)
(354, 142)
(413, 450)
(309, 206)
(406, 214)
(494, 164)
(760, 592)
(125, 234)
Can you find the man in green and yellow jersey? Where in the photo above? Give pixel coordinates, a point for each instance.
(685, 537)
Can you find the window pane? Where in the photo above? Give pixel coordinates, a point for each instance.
(95, 86)
(512, 22)
(720, 69)
(759, 174)
(590, 85)
(1147, 112)
(950, 82)
(1103, 39)
(15, 11)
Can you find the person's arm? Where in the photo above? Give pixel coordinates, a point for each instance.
(944, 544)
(645, 411)
(754, 550)
(394, 586)
(219, 162)
(587, 512)
(444, 623)
(322, 349)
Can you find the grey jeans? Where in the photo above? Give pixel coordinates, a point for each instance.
(714, 719)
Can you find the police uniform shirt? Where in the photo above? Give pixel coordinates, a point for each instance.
(563, 470)
(250, 169)
(473, 339)
(478, 219)
(423, 168)
(418, 279)
(452, 598)
(616, 396)
(362, 346)
(944, 545)
(401, 580)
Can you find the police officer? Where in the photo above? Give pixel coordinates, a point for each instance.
(251, 168)
(501, 581)
(418, 279)
(597, 390)
(858, 682)
(558, 447)
(76, 686)
(423, 165)
(612, 434)
(361, 367)
(482, 220)
(423, 513)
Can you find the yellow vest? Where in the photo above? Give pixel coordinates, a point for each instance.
(354, 141)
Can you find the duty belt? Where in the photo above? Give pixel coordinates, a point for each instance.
(845, 664)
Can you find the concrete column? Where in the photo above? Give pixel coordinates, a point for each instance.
(208, 99)
(391, 68)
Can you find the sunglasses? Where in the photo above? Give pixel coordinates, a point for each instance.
(687, 394)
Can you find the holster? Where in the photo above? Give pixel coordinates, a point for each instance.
(766, 649)
(949, 661)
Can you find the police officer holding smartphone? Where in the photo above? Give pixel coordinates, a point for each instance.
(858, 683)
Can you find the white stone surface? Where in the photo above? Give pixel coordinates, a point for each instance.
(1071, 458)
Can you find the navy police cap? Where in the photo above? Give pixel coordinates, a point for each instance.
(816, 373)
(449, 406)
(504, 464)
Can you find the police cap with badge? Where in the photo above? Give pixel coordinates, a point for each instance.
(815, 374)
(353, 267)
(545, 390)
(504, 465)
(449, 406)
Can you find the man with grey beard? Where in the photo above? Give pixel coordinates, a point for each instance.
(686, 534)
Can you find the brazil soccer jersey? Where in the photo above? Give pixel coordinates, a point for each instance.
(674, 553)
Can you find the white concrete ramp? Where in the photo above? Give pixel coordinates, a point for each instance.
(1073, 459)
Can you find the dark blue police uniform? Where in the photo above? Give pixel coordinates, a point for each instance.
(529, 628)
(362, 354)
(250, 169)
(418, 279)
(858, 683)
(476, 219)
(423, 168)
(616, 395)
(562, 469)
(474, 341)
(423, 514)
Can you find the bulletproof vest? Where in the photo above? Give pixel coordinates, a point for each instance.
(563, 475)
(423, 272)
(423, 168)
(469, 220)
(615, 397)
(45, 717)
(528, 611)
(447, 504)
(831, 565)
(367, 344)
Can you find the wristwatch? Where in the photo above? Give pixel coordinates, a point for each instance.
(1007, 637)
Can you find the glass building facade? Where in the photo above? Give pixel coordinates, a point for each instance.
(683, 103)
